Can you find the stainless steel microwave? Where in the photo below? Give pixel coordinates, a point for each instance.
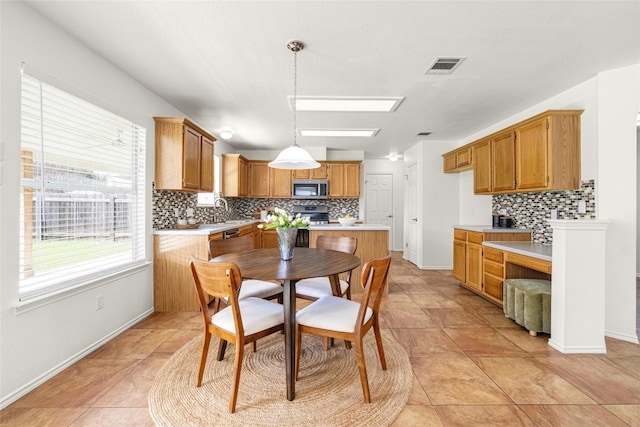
(310, 189)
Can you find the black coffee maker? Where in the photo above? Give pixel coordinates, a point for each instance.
(501, 221)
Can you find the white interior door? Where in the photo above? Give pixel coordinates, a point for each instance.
(379, 201)
(411, 220)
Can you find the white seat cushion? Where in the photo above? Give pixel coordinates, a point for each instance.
(258, 289)
(333, 313)
(257, 315)
(318, 287)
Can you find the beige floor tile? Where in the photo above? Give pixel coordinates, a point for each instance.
(132, 391)
(630, 414)
(528, 381)
(537, 346)
(435, 300)
(133, 344)
(572, 416)
(109, 417)
(457, 381)
(455, 318)
(406, 319)
(494, 416)
(418, 395)
(82, 384)
(484, 342)
(426, 342)
(597, 377)
(39, 417)
(417, 416)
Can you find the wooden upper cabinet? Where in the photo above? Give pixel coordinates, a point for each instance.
(279, 182)
(183, 155)
(503, 161)
(344, 179)
(317, 173)
(540, 153)
(206, 164)
(268, 182)
(482, 167)
(258, 179)
(458, 160)
(235, 175)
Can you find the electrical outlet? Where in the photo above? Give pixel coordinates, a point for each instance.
(582, 207)
(100, 302)
(554, 214)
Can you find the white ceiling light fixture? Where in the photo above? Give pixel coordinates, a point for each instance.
(294, 156)
(393, 157)
(226, 133)
(348, 133)
(346, 104)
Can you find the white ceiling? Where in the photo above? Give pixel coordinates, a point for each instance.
(225, 63)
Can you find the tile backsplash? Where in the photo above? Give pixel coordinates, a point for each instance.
(165, 203)
(531, 210)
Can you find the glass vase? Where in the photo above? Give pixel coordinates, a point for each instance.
(286, 242)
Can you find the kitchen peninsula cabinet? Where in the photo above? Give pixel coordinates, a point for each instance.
(184, 155)
(235, 175)
(344, 179)
(469, 255)
(173, 288)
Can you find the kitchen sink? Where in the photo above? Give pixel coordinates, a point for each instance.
(237, 221)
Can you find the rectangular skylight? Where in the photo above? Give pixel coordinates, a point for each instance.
(346, 104)
(364, 133)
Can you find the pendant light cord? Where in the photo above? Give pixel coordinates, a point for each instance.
(295, 94)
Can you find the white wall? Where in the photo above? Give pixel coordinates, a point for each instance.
(396, 169)
(618, 106)
(38, 340)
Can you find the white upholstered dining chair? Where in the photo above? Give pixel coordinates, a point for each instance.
(335, 317)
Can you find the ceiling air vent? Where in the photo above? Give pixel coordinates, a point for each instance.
(445, 65)
(424, 134)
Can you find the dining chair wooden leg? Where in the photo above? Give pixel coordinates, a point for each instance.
(362, 367)
(235, 381)
(203, 356)
(383, 361)
(254, 346)
(222, 348)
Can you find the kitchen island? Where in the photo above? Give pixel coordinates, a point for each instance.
(373, 242)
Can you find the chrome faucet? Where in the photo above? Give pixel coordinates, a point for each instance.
(218, 201)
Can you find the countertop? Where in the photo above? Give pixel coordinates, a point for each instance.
(490, 229)
(534, 250)
(355, 227)
(206, 229)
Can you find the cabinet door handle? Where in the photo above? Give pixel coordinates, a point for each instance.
(414, 219)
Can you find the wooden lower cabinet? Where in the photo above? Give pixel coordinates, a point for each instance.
(477, 267)
(269, 238)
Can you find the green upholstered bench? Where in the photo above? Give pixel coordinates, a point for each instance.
(528, 303)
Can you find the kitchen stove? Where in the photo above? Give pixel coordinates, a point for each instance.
(317, 214)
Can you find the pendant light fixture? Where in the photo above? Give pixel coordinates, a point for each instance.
(294, 156)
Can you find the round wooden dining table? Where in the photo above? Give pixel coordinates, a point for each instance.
(265, 264)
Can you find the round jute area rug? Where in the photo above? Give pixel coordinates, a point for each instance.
(328, 391)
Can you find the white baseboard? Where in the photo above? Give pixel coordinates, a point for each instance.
(578, 349)
(31, 385)
(622, 337)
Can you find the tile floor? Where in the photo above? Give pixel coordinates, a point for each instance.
(472, 367)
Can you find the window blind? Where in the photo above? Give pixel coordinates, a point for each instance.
(82, 210)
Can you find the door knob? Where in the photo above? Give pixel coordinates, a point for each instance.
(414, 219)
